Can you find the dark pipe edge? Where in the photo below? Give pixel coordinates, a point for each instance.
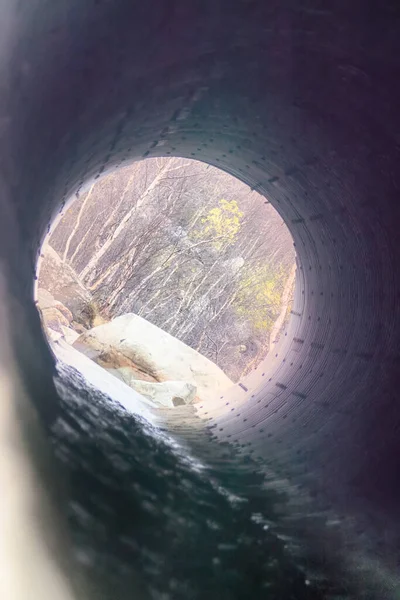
(299, 101)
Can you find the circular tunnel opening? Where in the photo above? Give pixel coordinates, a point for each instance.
(180, 245)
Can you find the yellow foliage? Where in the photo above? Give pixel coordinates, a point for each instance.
(260, 295)
(222, 224)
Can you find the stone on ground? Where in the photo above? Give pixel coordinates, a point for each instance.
(56, 317)
(63, 283)
(166, 393)
(70, 336)
(132, 339)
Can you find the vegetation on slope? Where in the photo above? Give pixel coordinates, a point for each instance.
(189, 248)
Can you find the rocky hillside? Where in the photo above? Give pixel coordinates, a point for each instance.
(184, 245)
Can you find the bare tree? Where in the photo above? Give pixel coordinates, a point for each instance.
(150, 239)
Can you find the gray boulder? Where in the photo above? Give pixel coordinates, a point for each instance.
(167, 393)
(60, 281)
(132, 339)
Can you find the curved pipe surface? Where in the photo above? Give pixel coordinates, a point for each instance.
(300, 101)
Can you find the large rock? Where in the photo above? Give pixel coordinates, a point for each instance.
(131, 339)
(54, 319)
(69, 335)
(110, 359)
(47, 302)
(166, 393)
(60, 281)
(45, 299)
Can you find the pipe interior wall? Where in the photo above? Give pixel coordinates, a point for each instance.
(297, 99)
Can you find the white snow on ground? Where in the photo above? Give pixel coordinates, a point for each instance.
(131, 400)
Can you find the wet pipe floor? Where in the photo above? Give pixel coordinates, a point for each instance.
(164, 512)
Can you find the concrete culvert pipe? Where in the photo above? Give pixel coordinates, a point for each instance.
(300, 101)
